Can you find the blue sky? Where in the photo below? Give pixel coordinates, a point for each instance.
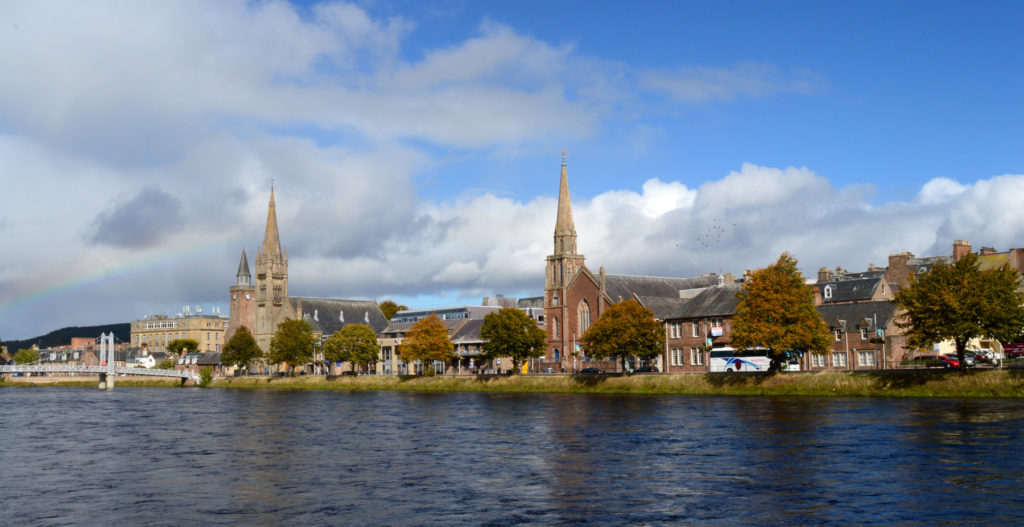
(415, 146)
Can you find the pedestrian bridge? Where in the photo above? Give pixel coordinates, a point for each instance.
(106, 370)
(97, 370)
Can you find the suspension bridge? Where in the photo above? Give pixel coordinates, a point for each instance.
(107, 370)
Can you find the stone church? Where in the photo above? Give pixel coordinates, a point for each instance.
(574, 297)
(261, 307)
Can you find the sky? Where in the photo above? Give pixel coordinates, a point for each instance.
(415, 147)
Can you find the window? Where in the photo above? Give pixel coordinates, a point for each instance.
(883, 289)
(865, 358)
(818, 360)
(838, 334)
(554, 328)
(696, 329)
(675, 330)
(677, 357)
(863, 333)
(584, 316)
(696, 357)
(839, 360)
(828, 292)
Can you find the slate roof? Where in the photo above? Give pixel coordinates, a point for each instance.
(849, 290)
(625, 286)
(210, 358)
(712, 302)
(855, 314)
(467, 332)
(331, 314)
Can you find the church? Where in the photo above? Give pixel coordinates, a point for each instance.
(261, 307)
(574, 296)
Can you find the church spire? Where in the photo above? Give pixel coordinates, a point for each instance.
(243, 277)
(271, 239)
(564, 225)
(565, 229)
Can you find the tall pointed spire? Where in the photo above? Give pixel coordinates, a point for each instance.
(564, 225)
(271, 239)
(243, 277)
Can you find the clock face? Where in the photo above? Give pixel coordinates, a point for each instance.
(248, 296)
(234, 297)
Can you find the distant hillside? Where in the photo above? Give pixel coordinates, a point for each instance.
(62, 337)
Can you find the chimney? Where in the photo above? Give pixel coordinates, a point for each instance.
(898, 272)
(987, 250)
(961, 248)
(824, 275)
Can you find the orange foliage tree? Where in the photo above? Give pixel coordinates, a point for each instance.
(776, 312)
(623, 330)
(427, 341)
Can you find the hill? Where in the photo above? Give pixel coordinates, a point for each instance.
(62, 337)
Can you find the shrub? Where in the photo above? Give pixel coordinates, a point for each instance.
(205, 376)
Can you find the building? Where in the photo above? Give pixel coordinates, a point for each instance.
(153, 333)
(697, 322)
(261, 307)
(574, 296)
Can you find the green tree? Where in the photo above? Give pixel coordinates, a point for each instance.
(25, 356)
(292, 343)
(960, 302)
(389, 308)
(354, 343)
(511, 333)
(427, 341)
(776, 312)
(165, 365)
(623, 330)
(179, 346)
(241, 349)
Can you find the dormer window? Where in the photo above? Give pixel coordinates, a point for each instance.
(827, 293)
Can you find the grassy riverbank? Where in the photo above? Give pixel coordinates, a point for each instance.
(900, 383)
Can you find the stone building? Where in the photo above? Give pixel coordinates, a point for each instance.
(153, 333)
(261, 307)
(574, 297)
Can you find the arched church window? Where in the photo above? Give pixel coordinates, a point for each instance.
(554, 327)
(583, 313)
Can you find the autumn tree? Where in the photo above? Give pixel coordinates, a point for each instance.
(292, 343)
(389, 308)
(961, 302)
(241, 349)
(511, 333)
(179, 346)
(354, 343)
(623, 330)
(427, 341)
(776, 312)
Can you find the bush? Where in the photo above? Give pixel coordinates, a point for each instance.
(165, 365)
(205, 376)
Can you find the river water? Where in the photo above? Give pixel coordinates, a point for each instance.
(161, 456)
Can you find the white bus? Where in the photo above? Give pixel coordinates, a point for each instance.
(733, 360)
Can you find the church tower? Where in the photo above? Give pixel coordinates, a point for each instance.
(242, 301)
(272, 305)
(562, 266)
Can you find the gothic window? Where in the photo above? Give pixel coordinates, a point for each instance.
(584, 316)
(554, 327)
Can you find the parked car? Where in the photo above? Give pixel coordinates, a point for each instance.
(647, 369)
(969, 358)
(590, 371)
(937, 361)
(981, 355)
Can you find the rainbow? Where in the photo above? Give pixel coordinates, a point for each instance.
(54, 283)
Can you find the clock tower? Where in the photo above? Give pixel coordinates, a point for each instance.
(243, 301)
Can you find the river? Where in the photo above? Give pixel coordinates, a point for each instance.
(167, 456)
